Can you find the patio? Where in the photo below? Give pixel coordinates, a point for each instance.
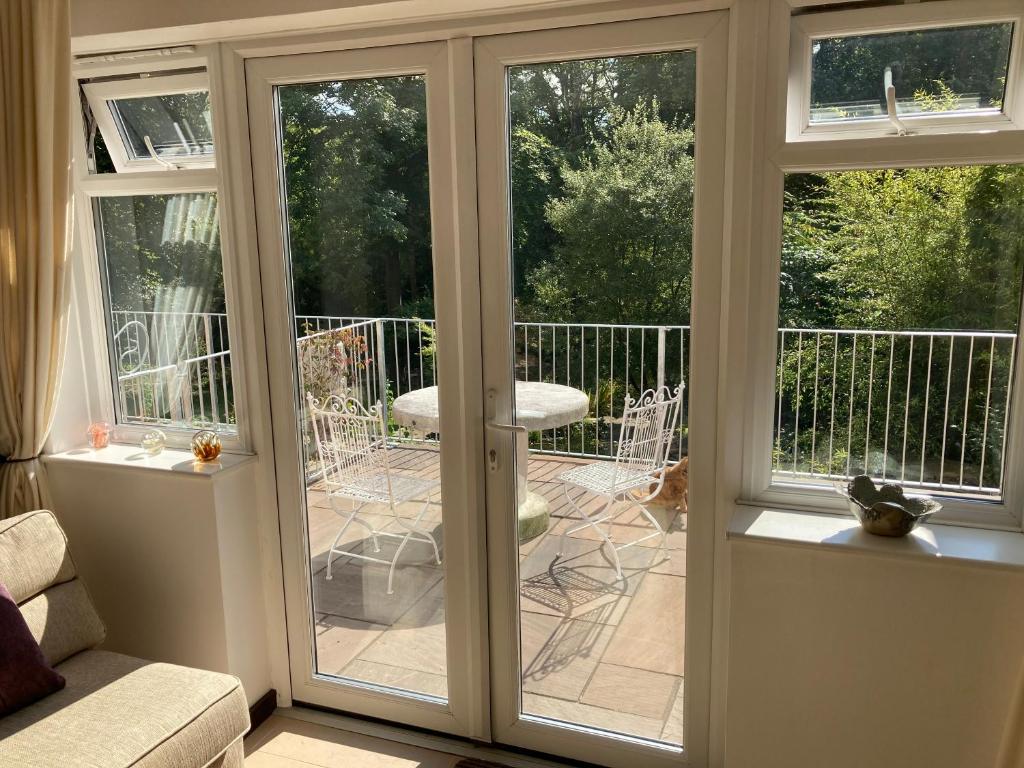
(595, 651)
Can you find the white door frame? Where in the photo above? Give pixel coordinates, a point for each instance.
(448, 73)
(708, 34)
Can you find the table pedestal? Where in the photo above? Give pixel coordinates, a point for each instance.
(532, 508)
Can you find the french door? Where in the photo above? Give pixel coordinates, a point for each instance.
(481, 258)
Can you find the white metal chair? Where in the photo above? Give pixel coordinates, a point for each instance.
(351, 443)
(648, 428)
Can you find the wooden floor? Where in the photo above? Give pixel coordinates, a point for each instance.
(282, 742)
(595, 651)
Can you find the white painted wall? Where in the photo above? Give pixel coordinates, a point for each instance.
(171, 561)
(100, 25)
(843, 660)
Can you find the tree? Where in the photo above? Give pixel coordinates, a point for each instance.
(915, 248)
(149, 268)
(357, 193)
(625, 228)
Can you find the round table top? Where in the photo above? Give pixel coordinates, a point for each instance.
(539, 405)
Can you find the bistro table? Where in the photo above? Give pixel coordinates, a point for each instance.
(539, 406)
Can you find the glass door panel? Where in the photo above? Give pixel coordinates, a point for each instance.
(351, 171)
(602, 158)
(356, 181)
(598, 211)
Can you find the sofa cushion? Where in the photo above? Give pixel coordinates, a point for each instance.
(33, 554)
(24, 674)
(63, 621)
(121, 711)
(36, 566)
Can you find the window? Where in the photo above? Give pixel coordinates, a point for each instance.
(169, 349)
(893, 340)
(909, 69)
(158, 249)
(151, 123)
(932, 71)
(900, 295)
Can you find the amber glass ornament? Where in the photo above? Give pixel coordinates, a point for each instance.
(206, 445)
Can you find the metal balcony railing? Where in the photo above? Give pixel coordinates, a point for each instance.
(173, 368)
(924, 408)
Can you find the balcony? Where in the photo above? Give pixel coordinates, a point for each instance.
(927, 409)
(582, 629)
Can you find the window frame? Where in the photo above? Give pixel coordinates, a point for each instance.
(199, 177)
(943, 14)
(783, 153)
(101, 94)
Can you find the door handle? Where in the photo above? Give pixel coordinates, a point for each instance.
(516, 429)
(492, 454)
(507, 427)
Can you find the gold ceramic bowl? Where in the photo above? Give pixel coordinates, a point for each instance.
(886, 510)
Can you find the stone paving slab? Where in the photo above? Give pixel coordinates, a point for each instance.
(596, 651)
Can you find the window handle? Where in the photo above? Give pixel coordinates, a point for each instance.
(152, 153)
(890, 103)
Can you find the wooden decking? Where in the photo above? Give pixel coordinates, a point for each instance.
(595, 651)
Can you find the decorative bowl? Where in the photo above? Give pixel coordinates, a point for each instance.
(886, 510)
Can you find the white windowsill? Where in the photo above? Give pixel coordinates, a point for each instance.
(949, 543)
(132, 457)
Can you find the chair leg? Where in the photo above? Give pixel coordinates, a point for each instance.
(609, 542)
(416, 526)
(606, 539)
(334, 545)
(657, 526)
(356, 508)
(394, 562)
(565, 529)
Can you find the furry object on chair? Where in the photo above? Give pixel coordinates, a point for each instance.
(675, 490)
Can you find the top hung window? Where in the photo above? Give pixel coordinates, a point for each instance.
(152, 123)
(932, 71)
(935, 66)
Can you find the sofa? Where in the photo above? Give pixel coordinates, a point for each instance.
(115, 710)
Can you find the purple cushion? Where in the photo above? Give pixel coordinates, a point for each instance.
(24, 674)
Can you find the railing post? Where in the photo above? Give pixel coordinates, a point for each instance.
(382, 378)
(661, 356)
(214, 400)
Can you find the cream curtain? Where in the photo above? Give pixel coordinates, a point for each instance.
(35, 236)
(1011, 751)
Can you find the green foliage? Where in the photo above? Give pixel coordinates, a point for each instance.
(904, 249)
(602, 184)
(146, 269)
(359, 218)
(332, 363)
(625, 223)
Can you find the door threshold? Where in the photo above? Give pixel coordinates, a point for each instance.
(438, 742)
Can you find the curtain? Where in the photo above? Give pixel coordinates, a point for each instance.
(1011, 751)
(189, 218)
(35, 237)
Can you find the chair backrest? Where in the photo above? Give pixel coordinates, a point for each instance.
(648, 428)
(351, 442)
(36, 568)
